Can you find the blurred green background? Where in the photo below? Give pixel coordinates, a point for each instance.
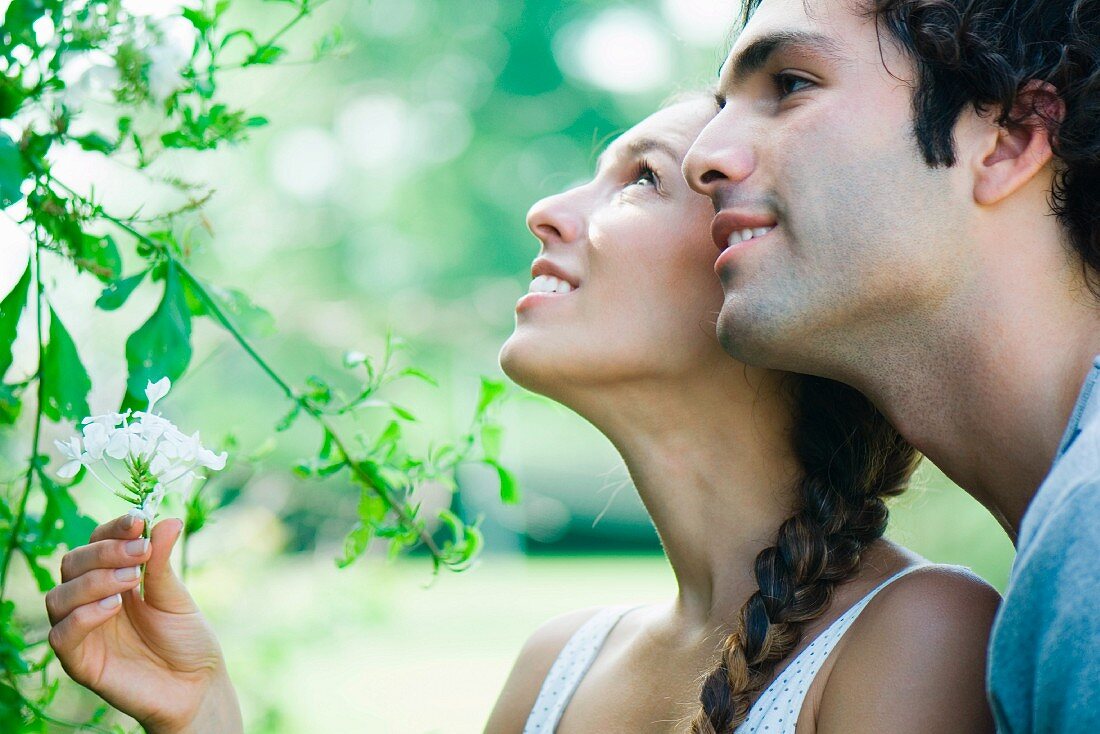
(390, 191)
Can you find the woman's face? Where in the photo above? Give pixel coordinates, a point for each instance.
(624, 287)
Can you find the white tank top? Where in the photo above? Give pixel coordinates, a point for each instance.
(775, 711)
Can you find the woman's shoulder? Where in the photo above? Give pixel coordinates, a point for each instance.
(931, 599)
(532, 664)
(914, 659)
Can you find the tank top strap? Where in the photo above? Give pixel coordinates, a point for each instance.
(776, 710)
(569, 669)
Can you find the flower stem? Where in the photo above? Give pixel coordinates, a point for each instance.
(218, 314)
(17, 526)
(394, 504)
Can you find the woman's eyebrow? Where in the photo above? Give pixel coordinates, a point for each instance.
(640, 147)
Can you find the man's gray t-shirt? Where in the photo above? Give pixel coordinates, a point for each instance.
(1044, 660)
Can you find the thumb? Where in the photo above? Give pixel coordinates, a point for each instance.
(163, 589)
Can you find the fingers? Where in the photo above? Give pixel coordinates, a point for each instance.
(104, 554)
(163, 589)
(93, 586)
(122, 528)
(67, 635)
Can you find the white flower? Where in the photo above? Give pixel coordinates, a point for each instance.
(96, 440)
(159, 465)
(108, 420)
(154, 391)
(88, 75)
(210, 460)
(151, 448)
(72, 452)
(169, 50)
(354, 359)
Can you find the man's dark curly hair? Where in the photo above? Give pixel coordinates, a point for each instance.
(989, 55)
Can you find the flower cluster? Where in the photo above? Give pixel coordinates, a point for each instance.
(156, 31)
(157, 456)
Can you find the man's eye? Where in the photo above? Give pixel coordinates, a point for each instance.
(787, 84)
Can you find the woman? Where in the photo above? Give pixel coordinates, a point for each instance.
(767, 490)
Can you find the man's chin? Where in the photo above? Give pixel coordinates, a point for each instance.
(751, 335)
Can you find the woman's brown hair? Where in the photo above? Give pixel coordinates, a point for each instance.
(851, 460)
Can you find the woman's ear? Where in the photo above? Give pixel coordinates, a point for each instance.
(1011, 156)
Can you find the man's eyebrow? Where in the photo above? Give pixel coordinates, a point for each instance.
(640, 147)
(757, 54)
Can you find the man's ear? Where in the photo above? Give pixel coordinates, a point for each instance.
(1012, 156)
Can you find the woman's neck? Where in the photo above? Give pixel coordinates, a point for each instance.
(712, 462)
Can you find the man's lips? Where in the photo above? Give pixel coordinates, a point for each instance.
(729, 221)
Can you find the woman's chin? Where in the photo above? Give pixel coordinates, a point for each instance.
(535, 364)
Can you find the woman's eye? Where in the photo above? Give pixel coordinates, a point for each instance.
(787, 84)
(645, 176)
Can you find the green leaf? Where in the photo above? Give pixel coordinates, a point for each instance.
(41, 576)
(65, 382)
(419, 374)
(12, 96)
(253, 321)
(491, 392)
(492, 436)
(355, 544)
(197, 511)
(319, 390)
(11, 709)
(116, 293)
(288, 419)
(402, 413)
(10, 310)
(266, 54)
(198, 18)
(12, 172)
(192, 293)
(97, 255)
(75, 528)
(390, 436)
(161, 347)
(96, 143)
(371, 508)
(239, 33)
(453, 523)
(11, 403)
(509, 488)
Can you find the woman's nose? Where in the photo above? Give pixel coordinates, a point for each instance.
(553, 220)
(722, 155)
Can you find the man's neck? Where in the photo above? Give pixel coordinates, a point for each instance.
(988, 391)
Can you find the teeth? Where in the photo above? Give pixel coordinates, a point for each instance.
(738, 236)
(549, 284)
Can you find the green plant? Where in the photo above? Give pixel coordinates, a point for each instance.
(129, 86)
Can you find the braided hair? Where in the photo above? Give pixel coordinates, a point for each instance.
(851, 459)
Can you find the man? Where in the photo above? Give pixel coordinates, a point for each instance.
(908, 200)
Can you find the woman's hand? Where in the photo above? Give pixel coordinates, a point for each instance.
(156, 659)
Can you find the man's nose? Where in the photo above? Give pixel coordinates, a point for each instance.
(720, 156)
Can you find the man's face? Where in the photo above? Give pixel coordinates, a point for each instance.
(814, 144)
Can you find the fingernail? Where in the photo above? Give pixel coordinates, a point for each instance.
(127, 522)
(137, 547)
(127, 574)
(111, 602)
